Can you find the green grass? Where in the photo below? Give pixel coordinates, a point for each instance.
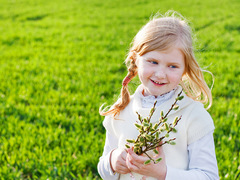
(60, 60)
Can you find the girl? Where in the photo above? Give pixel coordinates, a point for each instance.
(162, 56)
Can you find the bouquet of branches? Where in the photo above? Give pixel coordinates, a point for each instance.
(151, 136)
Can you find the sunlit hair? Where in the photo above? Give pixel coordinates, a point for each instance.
(160, 34)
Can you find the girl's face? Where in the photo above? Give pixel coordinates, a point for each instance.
(160, 71)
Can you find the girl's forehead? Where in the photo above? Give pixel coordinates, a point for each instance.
(158, 54)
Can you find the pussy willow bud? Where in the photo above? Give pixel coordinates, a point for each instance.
(148, 137)
(139, 116)
(127, 146)
(166, 126)
(175, 121)
(157, 135)
(152, 130)
(161, 129)
(164, 120)
(150, 125)
(161, 114)
(136, 150)
(145, 124)
(155, 126)
(137, 145)
(174, 130)
(175, 107)
(158, 160)
(152, 110)
(179, 98)
(138, 126)
(172, 143)
(147, 161)
(130, 140)
(155, 151)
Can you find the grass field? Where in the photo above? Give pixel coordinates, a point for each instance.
(60, 60)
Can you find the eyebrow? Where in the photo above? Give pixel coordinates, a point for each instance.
(154, 59)
(151, 59)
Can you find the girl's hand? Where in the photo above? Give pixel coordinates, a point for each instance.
(135, 163)
(118, 161)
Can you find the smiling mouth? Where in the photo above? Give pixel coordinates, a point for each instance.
(158, 83)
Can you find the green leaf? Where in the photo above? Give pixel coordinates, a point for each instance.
(145, 124)
(175, 107)
(155, 126)
(164, 120)
(158, 160)
(161, 129)
(152, 130)
(157, 135)
(175, 121)
(138, 126)
(174, 130)
(167, 135)
(179, 98)
(136, 150)
(155, 151)
(172, 143)
(147, 162)
(166, 126)
(127, 146)
(161, 114)
(130, 140)
(137, 145)
(152, 110)
(151, 125)
(149, 138)
(142, 139)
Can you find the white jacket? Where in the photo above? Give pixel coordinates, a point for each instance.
(194, 125)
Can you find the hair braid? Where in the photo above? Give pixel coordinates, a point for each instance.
(125, 95)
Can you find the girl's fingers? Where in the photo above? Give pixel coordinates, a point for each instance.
(136, 157)
(123, 169)
(118, 161)
(131, 164)
(135, 160)
(160, 152)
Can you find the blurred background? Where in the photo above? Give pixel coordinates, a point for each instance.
(61, 60)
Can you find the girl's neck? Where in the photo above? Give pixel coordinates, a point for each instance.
(145, 95)
(149, 100)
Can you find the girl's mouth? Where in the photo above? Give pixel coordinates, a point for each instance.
(157, 83)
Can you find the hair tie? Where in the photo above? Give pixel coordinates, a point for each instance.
(126, 80)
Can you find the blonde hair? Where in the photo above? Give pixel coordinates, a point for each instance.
(161, 34)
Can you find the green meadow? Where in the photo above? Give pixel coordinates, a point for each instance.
(61, 60)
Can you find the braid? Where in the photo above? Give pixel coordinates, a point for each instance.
(125, 95)
(132, 72)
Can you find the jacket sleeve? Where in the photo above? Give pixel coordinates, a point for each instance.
(104, 168)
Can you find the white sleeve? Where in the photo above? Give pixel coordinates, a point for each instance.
(104, 168)
(202, 162)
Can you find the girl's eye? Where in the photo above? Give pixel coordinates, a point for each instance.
(172, 66)
(153, 62)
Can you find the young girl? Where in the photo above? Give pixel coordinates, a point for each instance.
(162, 57)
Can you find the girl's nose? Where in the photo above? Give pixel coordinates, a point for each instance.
(161, 74)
